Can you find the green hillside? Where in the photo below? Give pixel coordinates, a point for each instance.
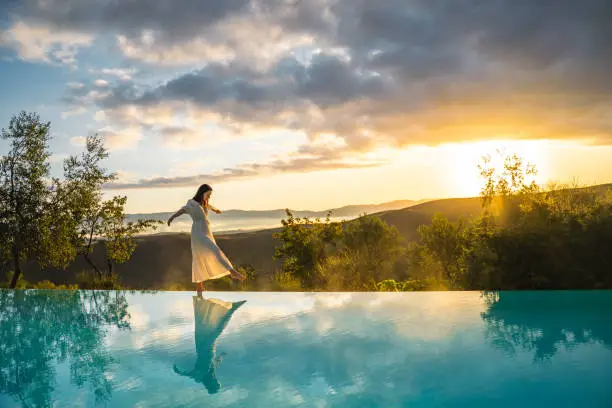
(408, 219)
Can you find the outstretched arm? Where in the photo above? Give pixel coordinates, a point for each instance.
(214, 209)
(176, 214)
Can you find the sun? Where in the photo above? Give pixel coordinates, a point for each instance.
(463, 160)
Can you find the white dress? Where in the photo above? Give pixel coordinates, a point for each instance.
(208, 261)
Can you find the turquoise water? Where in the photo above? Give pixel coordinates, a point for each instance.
(169, 349)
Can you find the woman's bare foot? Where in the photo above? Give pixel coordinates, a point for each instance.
(234, 274)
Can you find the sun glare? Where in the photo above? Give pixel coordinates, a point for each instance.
(463, 160)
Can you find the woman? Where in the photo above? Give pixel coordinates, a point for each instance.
(208, 261)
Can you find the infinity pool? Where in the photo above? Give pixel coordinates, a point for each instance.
(435, 349)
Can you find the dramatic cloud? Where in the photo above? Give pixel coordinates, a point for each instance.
(371, 74)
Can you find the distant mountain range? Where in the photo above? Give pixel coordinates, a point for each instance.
(349, 211)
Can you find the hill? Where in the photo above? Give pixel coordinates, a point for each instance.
(407, 220)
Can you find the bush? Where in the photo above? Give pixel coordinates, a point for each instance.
(284, 281)
(305, 243)
(90, 280)
(427, 284)
(46, 284)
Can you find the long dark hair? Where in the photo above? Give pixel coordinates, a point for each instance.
(203, 189)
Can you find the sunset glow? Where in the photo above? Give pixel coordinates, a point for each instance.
(312, 104)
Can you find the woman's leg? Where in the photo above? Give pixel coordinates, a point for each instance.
(199, 288)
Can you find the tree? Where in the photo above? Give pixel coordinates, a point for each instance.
(531, 238)
(444, 240)
(370, 252)
(53, 220)
(502, 187)
(304, 245)
(24, 191)
(376, 239)
(95, 219)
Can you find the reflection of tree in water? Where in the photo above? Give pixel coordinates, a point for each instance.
(39, 329)
(211, 317)
(544, 322)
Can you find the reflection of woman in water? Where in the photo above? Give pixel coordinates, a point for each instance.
(211, 318)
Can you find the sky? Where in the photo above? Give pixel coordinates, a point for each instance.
(313, 104)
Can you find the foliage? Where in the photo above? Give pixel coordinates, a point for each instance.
(374, 248)
(46, 284)
(52, 220)
(413, 285)
(97, 219)
(501, 186)
(554, 239)
(24, 173)
(250, 282)
(528, 237)
(284, 281)
(21, 283)
(304, 244)
(90, 280)
(324, 255)
(478, 258)
(445, 242)
(559, 241)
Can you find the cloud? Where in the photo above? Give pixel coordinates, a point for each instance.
(324, 95)
(127, 138)
(74, 112)
(181, 137)
(372, 74)
(43, 43)
(406, 75)
(324, 160)
(75, 85)
(99, 116)
(124, 176)
(124, 74)
(101, 83)
(147, 49)
(78, 141)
